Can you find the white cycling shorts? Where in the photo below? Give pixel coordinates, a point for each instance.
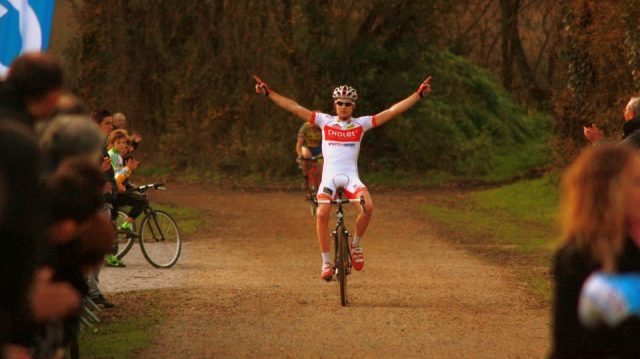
(349, 182)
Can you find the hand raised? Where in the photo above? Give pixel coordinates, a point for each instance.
(132, 163)
(425, 87)
(261, 87)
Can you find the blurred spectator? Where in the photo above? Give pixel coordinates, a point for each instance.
(19, 235)
(70, 104)
(31, 89)
(601, 231)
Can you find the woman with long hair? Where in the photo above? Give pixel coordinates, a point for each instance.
(600, 211)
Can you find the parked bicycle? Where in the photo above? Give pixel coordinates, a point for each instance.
(341, 244)
(312, 180)
(158, 235)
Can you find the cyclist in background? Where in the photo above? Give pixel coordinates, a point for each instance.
(341, 138)
(309, 145)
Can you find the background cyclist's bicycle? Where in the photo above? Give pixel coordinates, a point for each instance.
(312, 179)
(158, 234)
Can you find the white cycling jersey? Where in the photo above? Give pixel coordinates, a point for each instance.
(340, 148)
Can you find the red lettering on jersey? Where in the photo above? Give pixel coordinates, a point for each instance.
(340, 135)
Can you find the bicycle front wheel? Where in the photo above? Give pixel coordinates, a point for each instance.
(160, 239)
(342, 264)
(124, 242)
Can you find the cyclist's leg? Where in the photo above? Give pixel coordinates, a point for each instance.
(325, 191)
(137, 202)
(317, 152)
(322, 226)
(362, 222)
(306, 153)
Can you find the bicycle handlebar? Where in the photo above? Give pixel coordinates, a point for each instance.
(313, 158)
(341, 201)
(149, 186)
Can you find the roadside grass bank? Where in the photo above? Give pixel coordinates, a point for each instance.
(124, 330)
(513, 226)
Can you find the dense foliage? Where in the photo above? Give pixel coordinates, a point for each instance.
(600, 58)
(181, 71)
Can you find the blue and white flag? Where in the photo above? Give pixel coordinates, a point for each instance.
(25, 25)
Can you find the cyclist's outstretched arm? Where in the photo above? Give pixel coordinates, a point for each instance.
(402, 106)
(284, 102)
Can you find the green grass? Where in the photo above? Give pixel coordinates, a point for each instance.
(518, 160)
(189, 219)
(124, 330)
(513, 225)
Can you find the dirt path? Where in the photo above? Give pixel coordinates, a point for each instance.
(250, 287)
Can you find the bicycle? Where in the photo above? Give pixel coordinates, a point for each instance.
(312, 180)
(341, 246)
(159, 235)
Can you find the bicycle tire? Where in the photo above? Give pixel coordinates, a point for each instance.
(160, 239)
(123, 242)
(342, 264)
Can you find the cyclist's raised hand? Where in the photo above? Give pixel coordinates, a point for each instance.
(284, 102)
(261, 87)
(425, 87)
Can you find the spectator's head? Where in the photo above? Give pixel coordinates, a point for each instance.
(119, 139)
(600, 197)
(70, 104)
(119, 121)
(71, 135)
(75, 189)
(104, 119)
(632, 109)
(38, 79)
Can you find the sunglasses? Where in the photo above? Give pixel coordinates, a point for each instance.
(346, 104)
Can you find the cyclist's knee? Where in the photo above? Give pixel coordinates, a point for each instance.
(306, 153)
(323, 214)
(368, 208)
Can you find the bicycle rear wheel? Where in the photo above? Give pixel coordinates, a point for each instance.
(342, 264)
(160, 239)
(123, 241)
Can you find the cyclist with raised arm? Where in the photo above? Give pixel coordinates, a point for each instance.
(308, 146)
(341, 138)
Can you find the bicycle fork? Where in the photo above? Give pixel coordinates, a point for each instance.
(156, 232)
(340, 228)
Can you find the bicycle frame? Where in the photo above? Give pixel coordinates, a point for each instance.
(156, 227)
(342, 249)
(313, 175)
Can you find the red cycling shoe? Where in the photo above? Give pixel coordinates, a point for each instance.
(357, 258)
(327, 272)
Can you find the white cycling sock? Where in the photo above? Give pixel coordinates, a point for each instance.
(355, 242)
(326, 257)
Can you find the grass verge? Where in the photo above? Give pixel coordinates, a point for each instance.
(512, 225)
(124, 331)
